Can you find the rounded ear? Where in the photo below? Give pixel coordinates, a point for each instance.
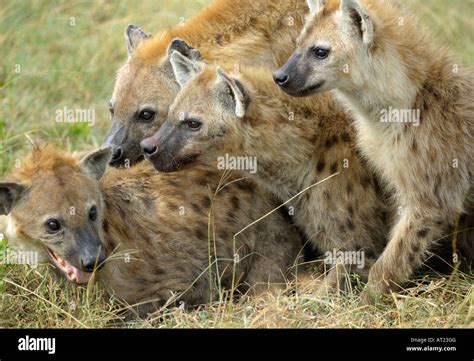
(238, 93)
(10, 193)
(95, 163)
(183, 67)
(184, 49)
(133, 37)
(358, 17)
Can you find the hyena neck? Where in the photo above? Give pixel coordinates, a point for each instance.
(279, 153)
(388, 80)
(381, 93)
(284, 134)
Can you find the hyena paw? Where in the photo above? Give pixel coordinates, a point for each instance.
(379, 280)
(372, 294)
(368, 298)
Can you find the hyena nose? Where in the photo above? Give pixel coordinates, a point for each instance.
(148, 147)
(89, 263)
(280, 77)
(117, 154)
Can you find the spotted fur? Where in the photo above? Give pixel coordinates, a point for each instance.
(297, 143)
(381, 58)
(160, 231)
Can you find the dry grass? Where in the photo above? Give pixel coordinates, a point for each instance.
(74, 66)
(39, 300)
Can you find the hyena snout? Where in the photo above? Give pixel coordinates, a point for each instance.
(90, 251)
(281, 77)
(115, 139)
(117, 154)
(92, 258)
(290, 77)
(149, 146)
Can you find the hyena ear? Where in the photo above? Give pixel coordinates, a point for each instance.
(10, 193)
(95, 162)
(183, 67)
(184, 49)
(133, 37)
(239, 95)
(315, 5)
(358, 16)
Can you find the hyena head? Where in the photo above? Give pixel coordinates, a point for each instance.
(204, 113)
(335, 40)
(143, 92)
(54, 208)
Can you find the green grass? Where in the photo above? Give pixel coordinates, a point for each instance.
(73, 65)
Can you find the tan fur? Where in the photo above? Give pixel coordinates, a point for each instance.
(429, 166)
(3, 224)
(297, 143)
(242, 31)
(239, 29)
(139, 214)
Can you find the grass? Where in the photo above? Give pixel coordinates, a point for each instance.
(65, 54)
(37, 299)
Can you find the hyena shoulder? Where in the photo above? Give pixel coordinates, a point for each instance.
(192, 211)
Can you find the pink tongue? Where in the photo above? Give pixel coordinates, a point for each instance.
(72, 273)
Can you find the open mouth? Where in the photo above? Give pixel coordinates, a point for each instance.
(72, 273)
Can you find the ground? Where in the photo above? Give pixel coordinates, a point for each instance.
(62, 53)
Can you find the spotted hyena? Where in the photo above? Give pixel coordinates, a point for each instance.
(148, 235)
(220, 114)
(412, 105)
(247, 31)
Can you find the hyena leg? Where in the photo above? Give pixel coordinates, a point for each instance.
(266, 275)
(411, 239)
(273, 271)
(340, 277)
(275, 260)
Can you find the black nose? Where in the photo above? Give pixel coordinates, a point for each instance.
(117, 154)
(280, 77)
(89, 263)
(148, 148)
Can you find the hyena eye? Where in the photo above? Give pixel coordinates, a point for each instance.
(193, 124)
(52, 226)
(93, 213)
(146, 115)
(320, 53)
